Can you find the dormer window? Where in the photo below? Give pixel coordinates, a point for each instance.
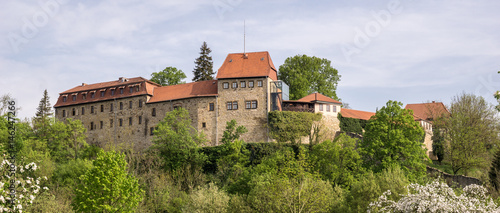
(131, 89)
(112, 92)
(64, 98)
(121, 90)
(74, 97)
(84, 96)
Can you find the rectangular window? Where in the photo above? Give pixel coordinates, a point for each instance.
(235, 105)
(74, 97)
(334, 108)
(235, 85)
(204, 125)
(130, 121)
(328, 108)
(84, 96)
(130, 104)
(111, 107)
(137, 89)
(153, 113)
(259, 83)
(64, 113)
(102, 124)
(73, 112)
(121, 105)
(110, 122)
(102, 108)
(131, 90)
(248, 104)
(254, 104)
(243, 84)
(211, 106)
(320, 107)
(83, 110)
(93, 95)
(250, 84)
(64, 99)
(140, 119)
(92, 109)
(112, 92)
(151, 130)
(91, 125)
(225, 85)
(140, 103)
(121, 90)
(102, 93)
(229, 105)
(121, 122)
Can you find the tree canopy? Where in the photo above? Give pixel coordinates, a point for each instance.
(168, 76)
(305, 75)
(204, 66)
(393, 137)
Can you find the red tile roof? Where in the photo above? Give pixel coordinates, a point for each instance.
(255, 64)
(145, 88)
(357, 114)
(428, 111)
(181, 91)
(315, 97)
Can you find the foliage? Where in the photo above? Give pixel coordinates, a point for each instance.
(436, 197)
(290, 126)
(273, 193)
(470, 131)
(393, 137)
(338, 161)
(177, 141)
(305, 75)
(438, 143)
(168, 76)
(68, 173)
(107, 187)
(352, 125)
(371, 186)
(494, 173)
(76, 132)
(43, 116)
(208, 199)
(232, 132)
(204, 66)
(25, 184)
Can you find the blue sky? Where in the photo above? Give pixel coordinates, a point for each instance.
(409, 51)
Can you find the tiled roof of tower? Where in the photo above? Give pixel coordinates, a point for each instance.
(428, 111)
(357, 114)
(181, 91)
(314, 97)
(83, 93)
(255, 64)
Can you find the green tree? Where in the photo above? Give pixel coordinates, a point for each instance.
(177, 141)
(107, 187)
(393, 137)
(338, 161)
(233, 156)
(204, 66)
(232, 132)
(306, 75)
(76, 136)
(168, 76)
(470, 131)
(438, 143)
(287, 126)
(43, 115)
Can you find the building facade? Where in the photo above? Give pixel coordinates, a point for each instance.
(124, 113)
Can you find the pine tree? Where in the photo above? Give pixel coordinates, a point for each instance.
(43, 113)
(204, 66)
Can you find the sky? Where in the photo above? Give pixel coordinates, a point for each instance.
(404, 50)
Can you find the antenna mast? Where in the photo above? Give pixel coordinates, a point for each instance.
(244, 46)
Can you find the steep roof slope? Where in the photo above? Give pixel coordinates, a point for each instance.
(315, 97)
(255, 64)
(181, 91)
(357, 114)
(428, 111)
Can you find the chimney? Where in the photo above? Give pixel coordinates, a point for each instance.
(84, 84)
(433, 102)
(122, 79)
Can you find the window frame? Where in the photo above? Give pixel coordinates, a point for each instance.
(250, 84)
(83, 110)
(102, 107)
(235, 105)
(225, 85)
(243, 84)
(211, 107)
(103, 93)
(229, 105)
(256, 104)
(260, 83)
(120, 122)
(153, 112)
(234, 85)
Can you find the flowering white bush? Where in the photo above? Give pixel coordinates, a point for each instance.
(436, 197)
(26, 186)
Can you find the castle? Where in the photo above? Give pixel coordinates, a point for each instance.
(126, 111)
(246, 88)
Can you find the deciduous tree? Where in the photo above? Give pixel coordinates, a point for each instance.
(168, 76)
(305, 75)
(393, 137)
